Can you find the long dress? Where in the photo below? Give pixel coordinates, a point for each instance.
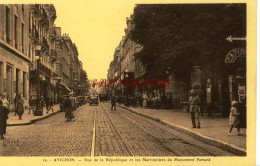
(3, 118)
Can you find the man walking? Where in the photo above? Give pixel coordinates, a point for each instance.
(50, 106)
(194, 103)
(113, 102)
(20, 106)
(31, 106)
(68, 108)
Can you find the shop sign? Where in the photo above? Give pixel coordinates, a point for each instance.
(234, 54)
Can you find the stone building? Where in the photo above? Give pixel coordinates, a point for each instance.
(15, 54)
(68, 66)
(124, 63)
(41, 49)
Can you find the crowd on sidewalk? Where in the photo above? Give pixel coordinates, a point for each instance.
(19, 108)
(155, 101)
(146, 100)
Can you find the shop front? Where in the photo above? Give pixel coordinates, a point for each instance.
(236, 66)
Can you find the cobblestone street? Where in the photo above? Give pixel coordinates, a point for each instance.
(117, 133)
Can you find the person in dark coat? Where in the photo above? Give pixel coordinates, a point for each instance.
(68, 108)
(50, 106)
(113, 102)
(31, 106)
(19, 106)
(3, 118)
(163, 101)
(47, 102)
(15, 105)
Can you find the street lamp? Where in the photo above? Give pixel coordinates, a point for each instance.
(38, 111)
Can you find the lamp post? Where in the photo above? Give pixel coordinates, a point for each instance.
(38, 111)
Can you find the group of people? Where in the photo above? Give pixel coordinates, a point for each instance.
(146, 100)
(194, 108)
(44, 102)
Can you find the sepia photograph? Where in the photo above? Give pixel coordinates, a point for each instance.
(88, 79)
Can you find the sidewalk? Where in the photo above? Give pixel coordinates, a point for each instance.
(214, 130)
(30, 118)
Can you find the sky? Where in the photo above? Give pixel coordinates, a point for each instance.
(96, 27)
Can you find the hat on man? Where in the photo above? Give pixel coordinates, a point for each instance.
(193, 91)
(233, 103)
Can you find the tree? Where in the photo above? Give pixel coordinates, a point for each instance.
(84, 81)
(181, 36)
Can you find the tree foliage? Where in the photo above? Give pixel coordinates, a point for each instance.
(180, 36)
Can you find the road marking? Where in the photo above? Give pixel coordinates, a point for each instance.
(94, 137)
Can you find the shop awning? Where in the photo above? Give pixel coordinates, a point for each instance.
(65, 86)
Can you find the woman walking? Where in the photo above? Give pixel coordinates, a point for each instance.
(20, 107)
(3, 118)
(234, 118)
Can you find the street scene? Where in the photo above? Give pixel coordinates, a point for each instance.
(172, 83)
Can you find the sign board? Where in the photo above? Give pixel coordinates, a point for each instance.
(234, 54)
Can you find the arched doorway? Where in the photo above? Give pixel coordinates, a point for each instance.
(236, 65)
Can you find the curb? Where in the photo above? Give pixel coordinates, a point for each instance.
(211, 141)
(34, 120)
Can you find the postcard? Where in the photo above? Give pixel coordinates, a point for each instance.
(126, 82)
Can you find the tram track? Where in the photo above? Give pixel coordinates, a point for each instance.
(178, 145)
(92, 153)
(123, 139)
(149, 137)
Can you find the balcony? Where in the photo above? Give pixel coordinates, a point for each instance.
(53, 55)
(52, 12)
(52, 34)
(44, 70)
(45, 43)
(43, 19)
(34, 35)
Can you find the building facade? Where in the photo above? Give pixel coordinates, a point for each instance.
(42, 50)
(15, 57)
(35, 59)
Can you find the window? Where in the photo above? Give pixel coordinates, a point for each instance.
(23, 37)
(24, 85)
(23, 8)
(29, 51)
(30, 23)
(7, 24)
(16, 31)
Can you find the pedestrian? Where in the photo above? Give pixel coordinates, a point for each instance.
(134, 101)
(234, 120)
(50, 106)
(20, 107)
(68, 108)
(145, 97)
(194, 105)
(163, 101)
(47, 103)
(5, 102)
(113, 103)
(31, 106)
(15, 105)
(140, 100)
(42, 102)
(3, 118)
